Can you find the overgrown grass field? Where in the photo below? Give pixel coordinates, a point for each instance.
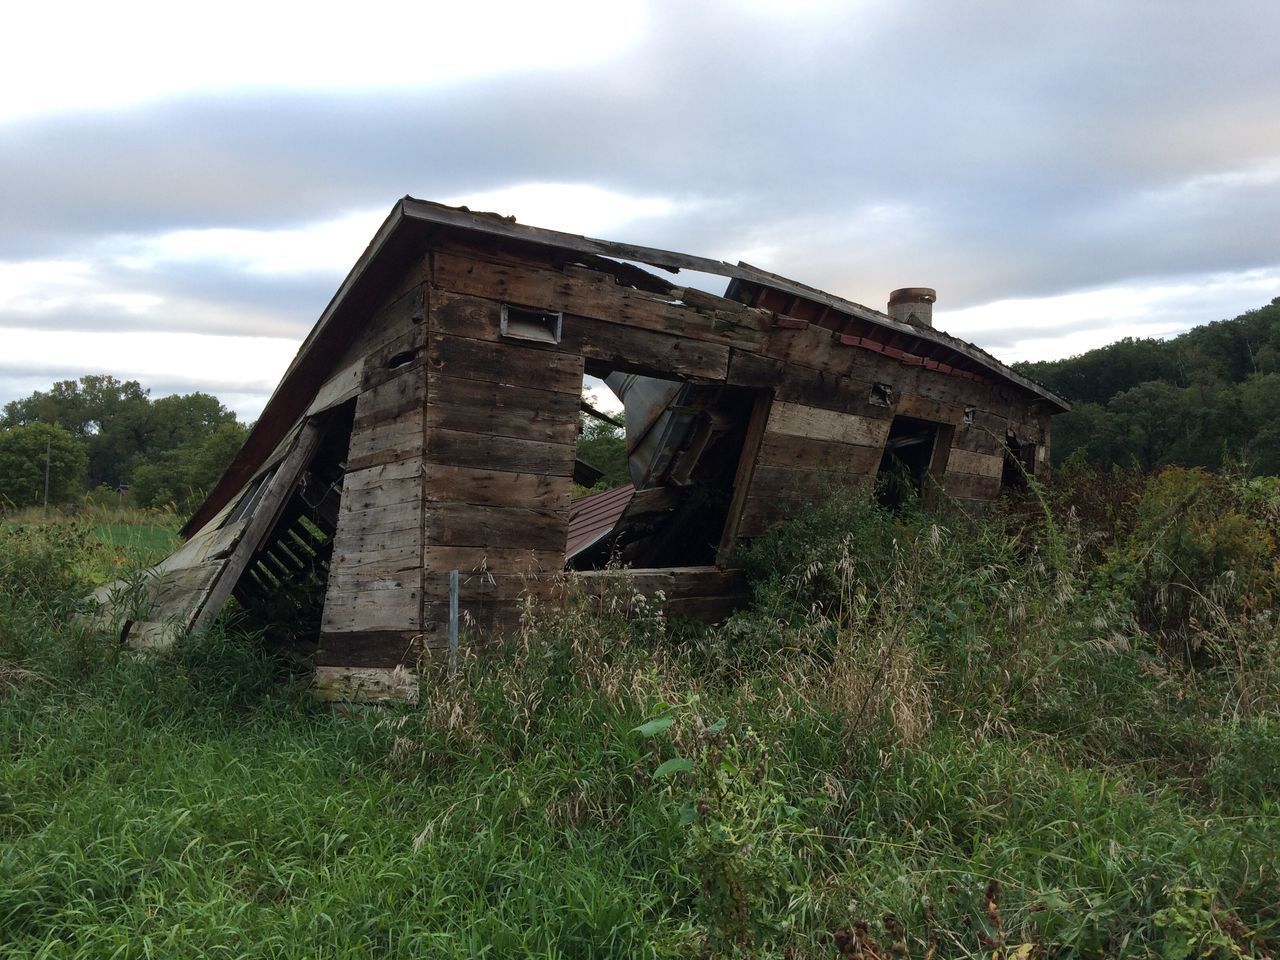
(1053, 731)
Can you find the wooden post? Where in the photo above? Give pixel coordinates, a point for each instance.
(48, 447)
(453, 622)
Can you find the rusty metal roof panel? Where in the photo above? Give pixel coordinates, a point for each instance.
(594, 516)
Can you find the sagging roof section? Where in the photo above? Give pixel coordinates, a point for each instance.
(412, 224)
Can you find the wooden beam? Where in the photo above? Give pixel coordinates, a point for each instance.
(264, 517)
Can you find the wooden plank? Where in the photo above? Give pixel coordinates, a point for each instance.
(927, 408)
(488, 587)
(375, 554)
(356, 606)
(400, 493)
(598, 295)
(505, 362)
(625, 348)
(397, 315)
(967, 486)
(706, 609)
(495, 488)
(976, 464)
(388, 442)
(550, 404)
(261, 521)
(370, 648)
(365, 487)
(616, 344)
(468, 525)
(828, 391)
(475, 560)
(456, 449)
(516, 423)
(402, 356)
(359, 525)
(365, 684)
(748, 369)
(673, 582)
(797, 483)
(787, 451)
(797, 420)
(742, 478)
(339, 388)
(389, 400)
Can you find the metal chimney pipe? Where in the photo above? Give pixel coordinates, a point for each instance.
(913, 305)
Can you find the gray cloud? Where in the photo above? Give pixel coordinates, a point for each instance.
(994, 150)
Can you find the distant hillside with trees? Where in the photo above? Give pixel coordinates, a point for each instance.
(108, 434)
(1207, 397)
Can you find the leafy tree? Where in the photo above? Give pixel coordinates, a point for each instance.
(183, 476)
(23, 451)
(604, 446)
(109, 415)
(1203, 398)
(121, 427)
(176, 421)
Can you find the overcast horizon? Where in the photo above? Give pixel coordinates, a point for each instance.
(184, 189)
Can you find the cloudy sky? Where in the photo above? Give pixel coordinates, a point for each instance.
(183, 187)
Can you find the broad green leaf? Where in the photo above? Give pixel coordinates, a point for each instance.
(674, 765)
(653, 727)
(688, 814)
(717, 726)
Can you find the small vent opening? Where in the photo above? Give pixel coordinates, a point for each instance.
(522, 323)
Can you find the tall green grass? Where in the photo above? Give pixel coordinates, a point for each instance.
(931, 735)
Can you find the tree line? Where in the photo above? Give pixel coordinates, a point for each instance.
(98, 433)
(1206, 398)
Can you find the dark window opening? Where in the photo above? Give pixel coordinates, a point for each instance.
(1019, 463)
(523, 323)
(281, 592)
(683, 443)
(905, 464)
(881, 395)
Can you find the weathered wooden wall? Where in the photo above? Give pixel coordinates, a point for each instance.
(463, 447)
(372, 620)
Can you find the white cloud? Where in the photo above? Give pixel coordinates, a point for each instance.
(571, 207)
(1047, 328)
(326, 246)
(84, 54)
(245, 369)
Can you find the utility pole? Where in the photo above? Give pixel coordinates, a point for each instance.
(48, 446)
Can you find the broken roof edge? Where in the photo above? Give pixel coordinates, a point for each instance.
(279, 413)
(673, 262)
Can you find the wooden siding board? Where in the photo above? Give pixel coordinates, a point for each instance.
(598, 295)
(506, 362)
(798, 420)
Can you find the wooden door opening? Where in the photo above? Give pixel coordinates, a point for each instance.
(908, 458)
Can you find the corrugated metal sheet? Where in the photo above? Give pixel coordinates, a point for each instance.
(594, 516)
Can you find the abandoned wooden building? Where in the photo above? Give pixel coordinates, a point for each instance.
(429, 422)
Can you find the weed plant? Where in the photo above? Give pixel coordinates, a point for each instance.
(1049, 731)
